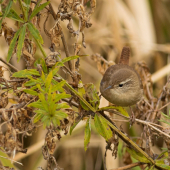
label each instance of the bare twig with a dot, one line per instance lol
(129, 166)
(18, 106)
(150, 124)
(66, 50)
(9, 65)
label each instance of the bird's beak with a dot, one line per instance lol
(109, 87)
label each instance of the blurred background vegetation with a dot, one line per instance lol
(141, 24)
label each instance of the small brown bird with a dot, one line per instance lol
(121, 84)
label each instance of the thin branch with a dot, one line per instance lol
(66, 50)
(9, 65)
(129, 166)
(11, 160)
(148, 124)
(18, 106)
(163, 106)
(72, 102)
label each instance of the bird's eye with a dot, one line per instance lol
(120, 85)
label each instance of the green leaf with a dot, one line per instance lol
(35, 33)
(32, 92)
(61, 96)
(26, 73)
(55, 70)
(38, 9)
(78, 95)
(52, 103)
(43, 64)
(21, 41)
(166, 116)
(12, 45)
(71, 58)
(168, 123)
(62, 106)
(87, 133)
(27, 7)
(75, 124)
(58, 86)
(13, 15)
(40, 88)
(23, 9)
(118, 108)
(44, 103)
(60, 115)
(30, 83)
(82, 92)
(41, 48)
(102, 127)
(138, 156)
(4, 159)
(163, 166)
(7, 9)
(48, 80)
(46, 120)
(37, 105)
(92, 95)
(56, 122)
(38, 116)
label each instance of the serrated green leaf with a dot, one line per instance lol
(59, 64)
(62, 106)
(27, 7)
(21, 41)
(43, 77)
(40, 88)
(61, 96)
(118, 108)
(4, 159)
(23, 9)
(38, 117)
(38, 9)
(55, 70)
(138, 156)
(32, 92)
(82, 92)
(71, 58)
(13, 15)
(35, 33)
(78, 95)
(75, 124)
(92, 95)
(164, 122)
(87, 133)
(60, 115)
(30, 83)
(37, 105)
(52, 103)
(12, 45)
(163, 166)
(37, 80)
(48, 80)
(102, 127)
(43, 64)
(46, 120)
(56, 122)
(25, 73)
(58, 86)
(44, 103)
(7, 9)
(165, 115)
